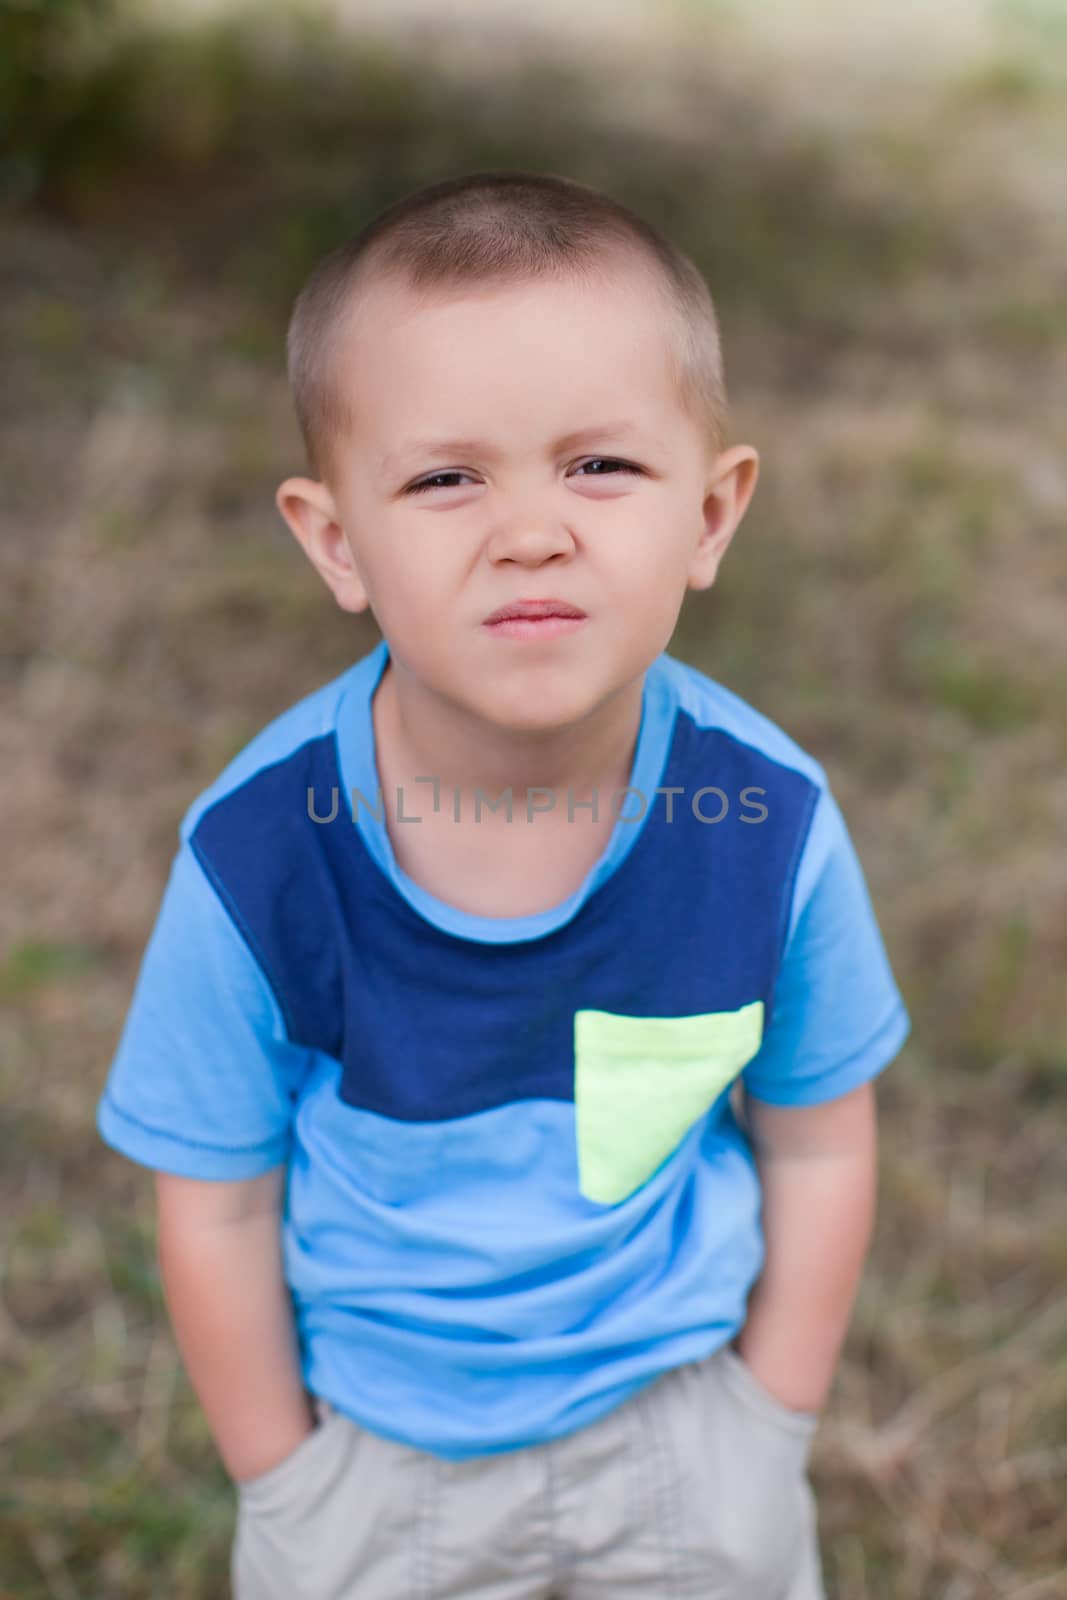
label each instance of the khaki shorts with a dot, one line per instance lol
(696, 1485)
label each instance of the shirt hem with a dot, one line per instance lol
(166, 1153)
(859, 1068)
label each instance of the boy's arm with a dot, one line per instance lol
(219, 1251)
(818, 1171)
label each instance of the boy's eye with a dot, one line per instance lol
(609, 461)
(433, 482)
(436, 479)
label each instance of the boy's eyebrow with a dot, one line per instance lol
(424, 448)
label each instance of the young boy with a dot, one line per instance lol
(490, 1280)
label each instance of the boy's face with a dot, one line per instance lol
(480, 398)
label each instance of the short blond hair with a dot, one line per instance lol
(495, 227)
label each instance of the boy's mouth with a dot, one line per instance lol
(535, 609)
(534, 619)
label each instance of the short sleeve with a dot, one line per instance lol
(204, 1081)
(837, 1017)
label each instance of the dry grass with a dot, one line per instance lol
(889, 268)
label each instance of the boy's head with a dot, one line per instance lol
(510, 388)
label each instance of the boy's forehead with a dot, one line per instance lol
(396, 332)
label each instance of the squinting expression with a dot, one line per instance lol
(521, 444)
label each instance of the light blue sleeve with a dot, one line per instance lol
(204, 1081)
(837, 1017)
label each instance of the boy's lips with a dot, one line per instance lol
(534, 611)
(534, 627)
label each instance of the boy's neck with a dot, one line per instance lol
(427, 737)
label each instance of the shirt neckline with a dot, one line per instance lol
(358, 767)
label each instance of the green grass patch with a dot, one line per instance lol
(990, 701)
(36, 963)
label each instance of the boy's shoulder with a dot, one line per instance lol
(711, 705)
(309, 719)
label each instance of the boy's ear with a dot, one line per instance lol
(308, 507)
(729, 490)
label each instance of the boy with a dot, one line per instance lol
(483, 1285)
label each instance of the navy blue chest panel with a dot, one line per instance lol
(428, 1026)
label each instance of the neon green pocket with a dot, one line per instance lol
(641, 1082)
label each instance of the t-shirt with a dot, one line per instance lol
(517, 1191)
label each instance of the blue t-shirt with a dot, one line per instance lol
(517, 1190)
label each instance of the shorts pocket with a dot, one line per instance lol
(299, 1466)
(743, 1383)
(640, 1083)
(742, 1481)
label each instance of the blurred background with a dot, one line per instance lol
(878, 198)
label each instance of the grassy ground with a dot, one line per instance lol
(886, 250)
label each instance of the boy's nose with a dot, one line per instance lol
(530, 538)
